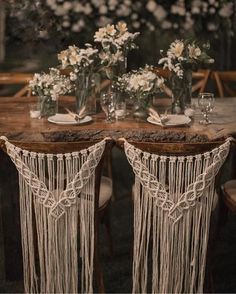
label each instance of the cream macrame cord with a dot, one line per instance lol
(173, 198)
(57, 194)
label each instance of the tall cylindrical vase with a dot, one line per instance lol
(87, 91)
(181, 91)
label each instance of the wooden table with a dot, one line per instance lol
(16, 124)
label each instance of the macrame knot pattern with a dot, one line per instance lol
(57, 203)
(157, 191)
(173, 197)
(39, 189)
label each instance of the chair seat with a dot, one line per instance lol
(105, 191)
(230, 193)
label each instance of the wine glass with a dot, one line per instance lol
(206, 104)
(108, 106)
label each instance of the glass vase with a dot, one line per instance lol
(181, 91)
(87, 91)
(140, 108)
(47, 105)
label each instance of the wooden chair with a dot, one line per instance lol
(173, 199)
(229, 194)
(200, 79)
(224, 82)
(55, 182)
(19, 79)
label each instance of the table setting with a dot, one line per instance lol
(84, 71)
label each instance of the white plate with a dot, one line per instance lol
(66, 119)
(173, 120)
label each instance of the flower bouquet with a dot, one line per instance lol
(115, 42)
(48, 87)
(84, 65)
(141, 85)
(181, 59)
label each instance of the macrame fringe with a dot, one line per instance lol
(57, 195)
(173, 199)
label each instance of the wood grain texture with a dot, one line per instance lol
(16, 124)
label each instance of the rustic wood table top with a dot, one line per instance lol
(16, 124)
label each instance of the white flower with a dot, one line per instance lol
(178, 9)
(196, 10)
(60, 11)
(121, 27)
(176, 48)
(51, 2)
(159, 13)
(194, 52)
(67, 5)
(166, 25)
(78, 7)
(103, 9)
(151, 6)
(212, 27)
(110, 30)
(211, 1)
(52, 84)
(136, 24)
(66, 24)
(180, 56)
(100, 35)
(212, 10)
(226, 10)
(141, 83)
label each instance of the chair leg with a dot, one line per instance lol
(97, 265)
(98, 273)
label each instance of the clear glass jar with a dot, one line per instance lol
(47, 105)
(181, 91)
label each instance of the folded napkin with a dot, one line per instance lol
(157, 117)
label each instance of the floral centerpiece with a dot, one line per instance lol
(181, 59)
(79, 60)
(48, 87)
(141, 85)
(115, 41)
(83, 64)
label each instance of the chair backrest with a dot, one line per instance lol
(173, 197)
(224, 82)
(57, 190)
(199, 80)
(22, 79)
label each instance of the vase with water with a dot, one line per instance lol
(87, 91)
(181, 91)
(47, 105)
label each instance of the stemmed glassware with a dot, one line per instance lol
(206, 103)
(107, 102)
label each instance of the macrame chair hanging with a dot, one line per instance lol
(173, 197)
(57, 194)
